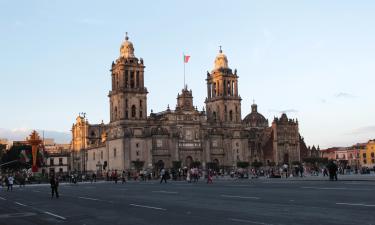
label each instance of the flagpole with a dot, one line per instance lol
(184, 68)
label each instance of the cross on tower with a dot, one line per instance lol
(126, 36)
(220, 49)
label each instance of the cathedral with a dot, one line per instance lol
(215, 137)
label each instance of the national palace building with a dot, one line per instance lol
(217, 135)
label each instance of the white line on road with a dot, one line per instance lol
(238, 185)
(57, 216)
(36, 191)
(20, 204)
(236, 196)
(92, 199)
(166, 192)
(248, 221)
(324, 188)
(3, 198)
(354, 204)
(338, 188)
(148, 207)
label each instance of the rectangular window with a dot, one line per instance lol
(93, 156)
(101, 154)
(364, 155)
(60, 161)
(51, 162)
(114, 152)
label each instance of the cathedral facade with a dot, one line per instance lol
(216, 136)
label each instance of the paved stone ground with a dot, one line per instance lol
(259, 202)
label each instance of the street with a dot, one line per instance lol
(271, 202)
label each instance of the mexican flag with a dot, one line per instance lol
(186, 58)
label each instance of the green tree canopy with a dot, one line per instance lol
(243, 164)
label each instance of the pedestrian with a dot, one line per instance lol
(10, 183)
(209, 177)
(123, 176)
(115, 176)
(188, 177)
(54, 181)
(332, 169)
(163, 176)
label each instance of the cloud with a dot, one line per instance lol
(344, 95)
(283, 111)
(363, 130)
(323, 100)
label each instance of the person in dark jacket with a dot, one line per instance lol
(54, 181)
(332, 169)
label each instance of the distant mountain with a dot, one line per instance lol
(21, 134)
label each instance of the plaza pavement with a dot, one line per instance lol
(226, 201)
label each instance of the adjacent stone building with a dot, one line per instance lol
(215, 135)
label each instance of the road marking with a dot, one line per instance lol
(36, 191)
(338, 188)
(3, 198)
(236, 196)
(240, 185)
(248, 221)
(354, 204)
(166, 192)
(20, 204)
(148, 207)
(324, 188)
(92, 199)
(16, 215)
(57, 216)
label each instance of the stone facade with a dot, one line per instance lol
(184, 134)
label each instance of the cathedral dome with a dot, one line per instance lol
(127, 49)
(255, 119)
(221, 60)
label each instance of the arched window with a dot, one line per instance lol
(133, 111)
(115, 112)
(230, 115)
(114, 152)
(214, 116)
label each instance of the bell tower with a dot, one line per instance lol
(223, 103)
(128, 95)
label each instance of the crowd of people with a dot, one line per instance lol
(331, 170)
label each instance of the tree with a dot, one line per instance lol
(138, 165)
(296, 163)
(2, 151)
(176, 164)
(256, 164)
(196, 164)
(243, 164)
(13, 155)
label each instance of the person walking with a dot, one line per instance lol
(209, 177)
(123, 176)
(54, 181)
(163, 176)
(10, 183)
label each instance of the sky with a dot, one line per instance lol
(313, 60)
